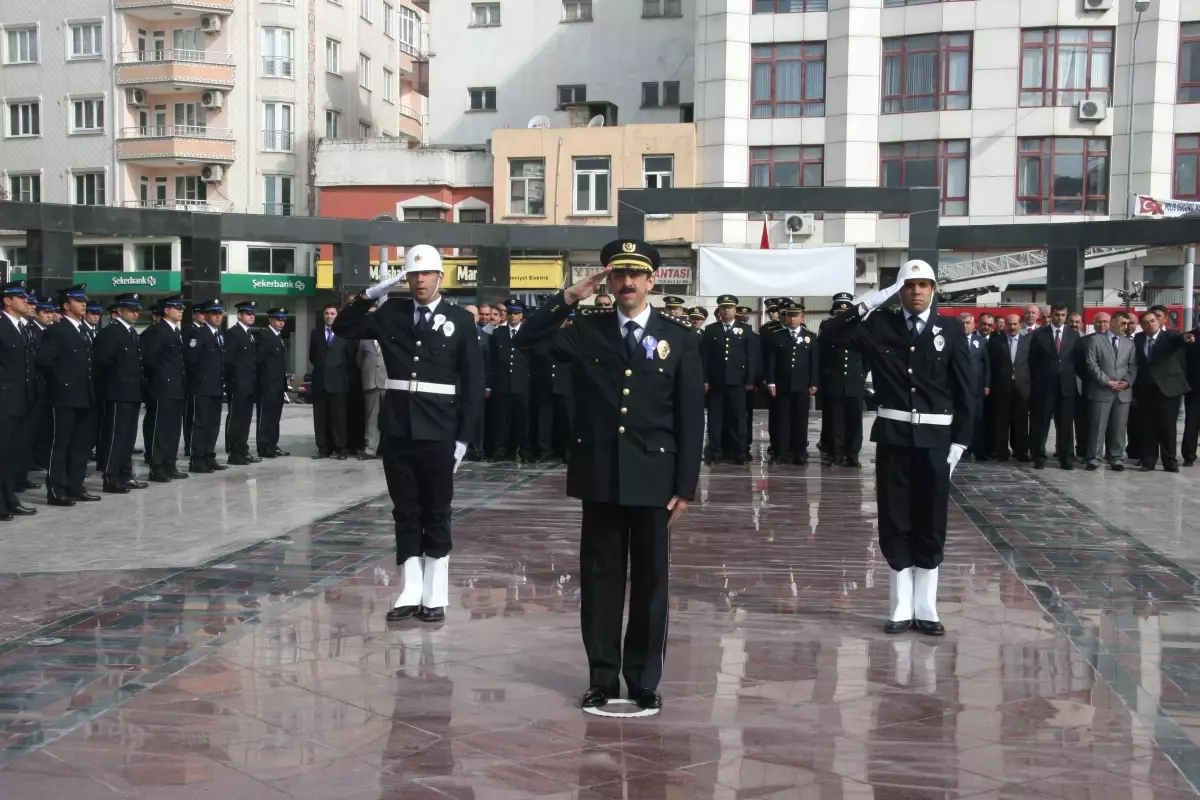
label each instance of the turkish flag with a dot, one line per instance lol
(765, 242)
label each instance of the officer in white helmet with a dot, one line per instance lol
(431, 405)
(921, 372)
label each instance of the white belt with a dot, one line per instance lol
(421, 386)
(915, 418)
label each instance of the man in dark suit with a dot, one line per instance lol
(508, 387)
(1191, 425)
(18, 392)
(241, 384)
(635, 461)
(732, 360)
(270, 353)
(1161, 382)
(118, 359)
(792, 376)
(1008, 358)
(204, 357)
(333, 359)
(164, 382)
(981, 381)
(1052, 375)
(65, 359)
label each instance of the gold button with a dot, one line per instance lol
(624, 410)
(621, 429)
(628, 372)
(624, 391)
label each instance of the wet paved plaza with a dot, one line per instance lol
(224, 637)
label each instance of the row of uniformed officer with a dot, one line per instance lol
(204, 359)
(18, 395)
(118, 361)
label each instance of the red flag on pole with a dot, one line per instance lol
(765, 242)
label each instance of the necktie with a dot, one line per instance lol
(83, 331)
(1149, 345)
(1012, 348)
(328, 335)
(1058, 340)
(631, 341)
(221, 339)
(423, 318)
(133, 334)
(1116, 344)
(913, 333)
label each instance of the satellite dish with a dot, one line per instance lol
(596, 121)
(540, 121)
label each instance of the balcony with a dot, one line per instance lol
(173, 9)
(410, 122)
(166, 145)
(208, 206)
(277, 141)
(175, 70)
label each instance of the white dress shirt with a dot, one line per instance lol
(15, 321)
(432, 310)
(922, 319)
(641, 319)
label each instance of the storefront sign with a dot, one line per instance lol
(158, 282)
(262, 283)
(666, 274)
(462, 273)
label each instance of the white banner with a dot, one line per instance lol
(816, 271)
(1154, 207)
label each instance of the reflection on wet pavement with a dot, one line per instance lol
(1069, 669)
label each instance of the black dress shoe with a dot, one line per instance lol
(160, 477)
(137, 451)
(594, 697)
(176, 475)
(237, 461)
(431, 614)
(6, 517)
(265, 454)
(84, 496)
(133, 484)
(1118, 467)
(929, 628)
(1039, 465)
(22, 511)
(1146, 468)
(897, 627)
(64, 502)
(115, 488)
(276, 452)
(203, 469)
(1172, 468)
(252, 459)
(341, 456)
(320, 455)
(402, 613)
(1092, 467)
(852, 462)
(215, 467)
(1066, 464)
(1188, 462)
(648, 699)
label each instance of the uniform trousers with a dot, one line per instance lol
(118, 433)
(726, 420)
(189, 416)
(790, 414)
(206, 425)
(162, 443)
(269, 408)
(510, 420)
(1159, 427)
(42, 426)
(1191, 424)
(1010, 424)
(69, 447)
(237, 425)
(420, 481)
(12, 466)
(329, 421)
(749, 440)
(1108, 420)
(1059, 406)
(912, 491)
(613, 539)
(372, 400)
(552, 424)
(845, 426)
(148, 428)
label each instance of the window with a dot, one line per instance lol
(650, 95)
(787, 166)
(279, 260)
(277, 52)
(1062, 66)
(86, 40)
(22, 46)
(364, 130)
(591, 185)
(424, 215)
(571, 94)
(1186, 185)
(187, 44)
(89, 188)
(18, 257)
(24, 119)
(151, 257)
(25, 188)
(364, 71)
(389, 24)
(662, 8)
(670, 93)
(477, 216)
(788, 80)
(1189, 63)
(106, 257)
(333, 56)
(410, 27)
(389, 85)
(364, 9)
(1062, 176)
(898, 3)
(190, 119)
(927, 73)
(577, 10)
(87, 116)
(485, 15)
(657, 171)
(278, 127)
(483, 99)
(527, 187)
(190, 189)
(333, 124)
(277, 195)
(941, 164)
(789, 6)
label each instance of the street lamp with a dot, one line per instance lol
(1140, 7)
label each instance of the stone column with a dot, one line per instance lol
(51, 256)
(493, 273)
(1064, 277)
(200, 259)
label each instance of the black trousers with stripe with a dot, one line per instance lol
(70, 444)
(269, 408)
(912, 491)
(118, 432)
(162, 441)
(206, 426)
(237, 425)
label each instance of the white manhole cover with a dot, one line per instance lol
(147, 598)
(225, 566)
(46, 641)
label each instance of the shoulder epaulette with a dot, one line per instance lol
(593, 311)
(680, 322)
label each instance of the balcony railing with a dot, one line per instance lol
(211, 206)
(278, 141)
(279, 209)
(169, 131)
(409, 112)
(278, 66)
(184, 56)
(412, 50)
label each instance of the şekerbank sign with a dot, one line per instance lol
(265, 283)
(157, 282)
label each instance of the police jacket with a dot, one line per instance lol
(793, 364)
(240, 362)
(929, 376)
(203, 356)
(18, 376)
(843, 372)
(730, 358)
(64, 358)
(446, 357)
(550, 375)
(639, 422)
(162, 362)
(270, 363)
(508, 366)
(118, 356)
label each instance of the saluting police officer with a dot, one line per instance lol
(793, 375)
(922, 376)
(508, 389)
(240, 385)
(163, 371)
(118, 357)
(65, 359)
(843, 384)
(433, 398)
(732, 361)
(271, 355)
(635, 462)
(18, 392)
(204, 358)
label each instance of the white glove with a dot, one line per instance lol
(956, 452)
(381, 289)
(460, 450)
(385, 273)
(882, 296)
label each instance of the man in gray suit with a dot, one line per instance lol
(1111, 365)
(374, 382)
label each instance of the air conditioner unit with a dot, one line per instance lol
(212, 173)
(135, 97)
(1092, 110)
(212, 99)
(866, 267)
(210, 23)
(799, 224)
(1097, 5)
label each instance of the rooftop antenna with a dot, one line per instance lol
(596, 121)
(540, 121)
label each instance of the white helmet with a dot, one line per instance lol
(423, 258)
(916, 269)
